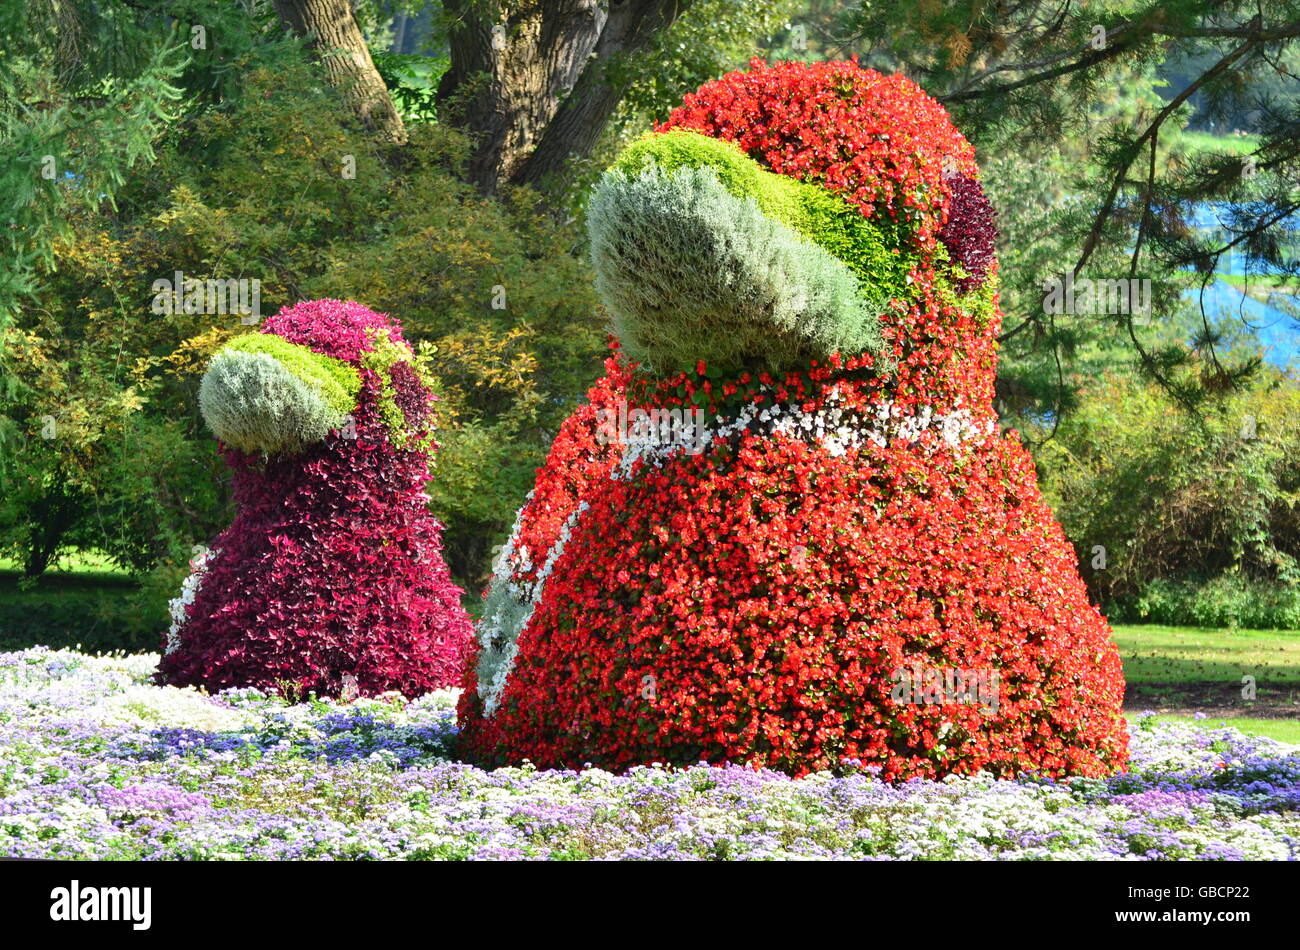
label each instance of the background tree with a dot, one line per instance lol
(343, 53)
(85, 92)
(84, 95)
(537, 82)
(1182, 518)
(1027, 78)
(532, 80)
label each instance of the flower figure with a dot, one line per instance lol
(331, 578)
(850, 561)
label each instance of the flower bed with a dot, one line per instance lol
(97, 763)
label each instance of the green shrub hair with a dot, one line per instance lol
(816, 213)
(338, 383)
(691, 271)
(978, 301)
(262, 393)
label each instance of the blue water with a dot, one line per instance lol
(1277, 331)
(1276, 325)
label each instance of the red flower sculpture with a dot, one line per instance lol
(852, 563)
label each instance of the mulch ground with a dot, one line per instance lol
(1216, 699)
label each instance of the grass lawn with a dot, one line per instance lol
(1268, 289)
(1261, 282)
(1179, 671)
(1158, 654)
(1220, 144)
(1283, 730)
(86, 565)
(84, 600)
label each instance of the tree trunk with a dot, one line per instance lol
(54, 514)
(532, 88)
(342, 51)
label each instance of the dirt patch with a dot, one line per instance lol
(1218, 700)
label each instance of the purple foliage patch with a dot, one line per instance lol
(971, 230)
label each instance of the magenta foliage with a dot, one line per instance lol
(970, 231)
(333, 566)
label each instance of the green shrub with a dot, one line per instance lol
(263, 393)
(338, 383)
(692, 272)
(1181, 515)
(252, 402)
(817, 214)
(1224, 601)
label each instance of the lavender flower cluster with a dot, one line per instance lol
(97, 763)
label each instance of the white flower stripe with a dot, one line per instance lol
(836, 429)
